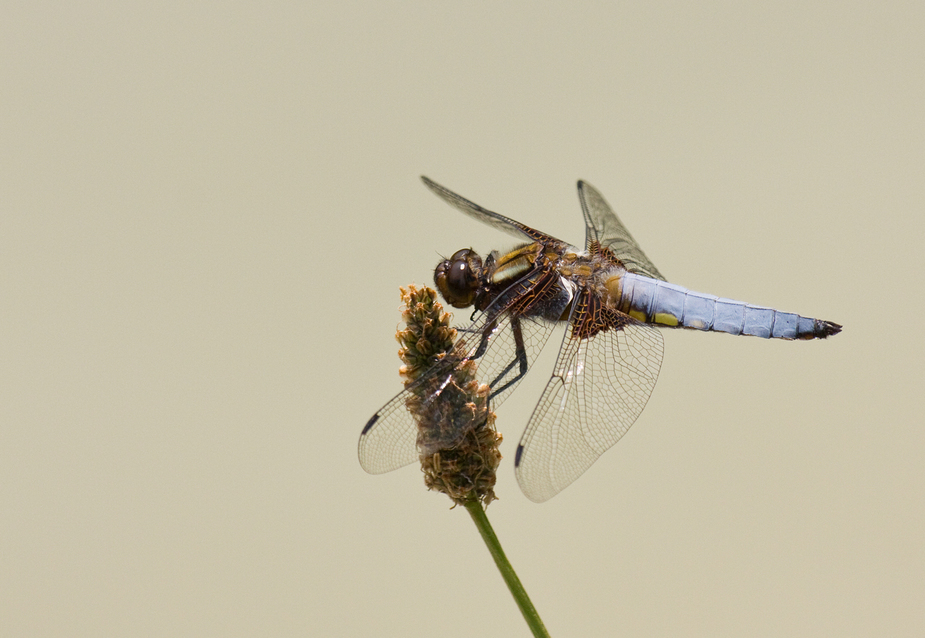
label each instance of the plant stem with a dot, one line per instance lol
(507, 572)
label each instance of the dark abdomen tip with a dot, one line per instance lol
(820, 330)
(827, 329)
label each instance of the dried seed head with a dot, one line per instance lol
(456, 435)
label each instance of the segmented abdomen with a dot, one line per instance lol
(665, 304)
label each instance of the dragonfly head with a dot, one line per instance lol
(459, 277)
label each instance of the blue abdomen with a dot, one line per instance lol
(665, 304)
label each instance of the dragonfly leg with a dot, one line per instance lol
(520, 358)
(485, 339)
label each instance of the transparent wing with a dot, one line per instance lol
(599, 387)
(603, 226)
(389, 440)
(502, 345)
(484, 215)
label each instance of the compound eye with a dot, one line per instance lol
(457, 278)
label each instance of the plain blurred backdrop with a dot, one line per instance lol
(206, 211)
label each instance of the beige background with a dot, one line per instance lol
(206, 215)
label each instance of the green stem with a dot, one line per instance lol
(507, 572)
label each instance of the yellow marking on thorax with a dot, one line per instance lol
(528, 250)
(514, 264)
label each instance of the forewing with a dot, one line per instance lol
(389, 440)
(603, 226)
(484, 215)
(599, 387)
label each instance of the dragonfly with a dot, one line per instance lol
(613, 301)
